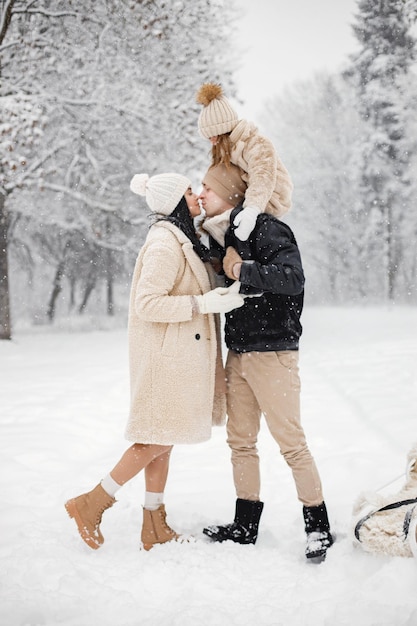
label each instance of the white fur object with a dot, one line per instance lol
(383, 531)
(412, 535)
(411, 461)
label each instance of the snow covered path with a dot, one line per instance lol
(63, 403)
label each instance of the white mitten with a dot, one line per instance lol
(220, 300)
(245, 222)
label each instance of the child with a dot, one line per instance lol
(269, 186)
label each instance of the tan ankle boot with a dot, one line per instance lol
(87, 510)
(155, 528)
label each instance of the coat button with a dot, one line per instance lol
(197, 336)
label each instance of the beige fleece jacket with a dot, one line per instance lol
(269, 184)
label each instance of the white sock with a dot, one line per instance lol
(110, 486)
(153, 500)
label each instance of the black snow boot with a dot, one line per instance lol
(244, 529)
(317, 527)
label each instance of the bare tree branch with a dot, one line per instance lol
(5, 18)
(94, 204)
(26, 11)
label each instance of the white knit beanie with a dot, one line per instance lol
(162, 191)
(218, 116)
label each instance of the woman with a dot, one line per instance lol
(177, 383)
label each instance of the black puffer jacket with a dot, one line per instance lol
(272, 266)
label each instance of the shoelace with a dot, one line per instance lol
(100, 514)
(163, 517)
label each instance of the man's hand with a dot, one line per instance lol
(216, 264)
(232, 263)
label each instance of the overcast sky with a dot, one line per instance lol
(289, 40)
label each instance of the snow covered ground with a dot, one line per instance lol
(63, 404)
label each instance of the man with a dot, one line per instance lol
(262, 362)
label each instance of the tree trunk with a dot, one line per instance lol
(57, 288)
(87, 293)
(109, 272)
(5, 323)
(110, 301)
(5, 19)
(72, 293)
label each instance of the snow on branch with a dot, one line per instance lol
(94, 103)
(410, 7)
(43, 12)
(94, 204)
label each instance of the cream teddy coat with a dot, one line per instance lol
(269, 184)
(174, 355)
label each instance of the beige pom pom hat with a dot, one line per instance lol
(162, 191)
(218, 116)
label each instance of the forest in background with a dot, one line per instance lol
(92, 93)
(349, 141)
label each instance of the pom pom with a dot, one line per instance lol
(138, 184)
(208, 92)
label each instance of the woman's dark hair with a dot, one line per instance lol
(181, 217)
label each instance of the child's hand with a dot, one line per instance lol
(245, 222)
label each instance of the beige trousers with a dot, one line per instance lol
(268, 383)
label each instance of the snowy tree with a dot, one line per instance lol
(314, 126)
(21, 120)
(378, 71)
(410, 9)
(116, 82)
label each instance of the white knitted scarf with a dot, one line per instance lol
(217, 226)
